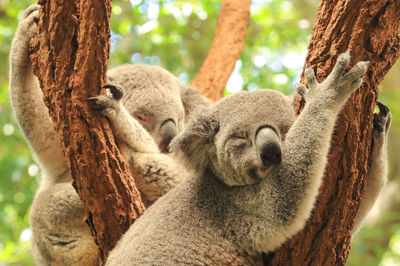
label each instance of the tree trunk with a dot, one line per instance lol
(233, 21)
(70, 58)
(370, 30)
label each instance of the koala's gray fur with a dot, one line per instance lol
(154, 96)
(239, 201)
(60, 235)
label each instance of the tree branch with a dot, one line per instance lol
(70, 58)
(233, 21)
(370, 30)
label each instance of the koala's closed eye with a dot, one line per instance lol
(239, 139)
(143, 119)
(240, 135)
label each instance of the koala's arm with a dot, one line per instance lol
(377, 170)
(27, 101)
(306, 146)
(155, 173)
(129, 131)
(126, 129)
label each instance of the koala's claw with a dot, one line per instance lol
(342, 63)
(383, 109)
(105, 104)
(382, 119)
(108, 104)
(116, 91)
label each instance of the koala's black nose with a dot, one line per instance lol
(268, 146)
(167, 132)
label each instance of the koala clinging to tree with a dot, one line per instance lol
(161, 104)
(256, 174)
(152, 95)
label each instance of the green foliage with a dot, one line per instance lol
(391, 97)
(275, 47)
(18, 171)
(378, 244)
(177, 35)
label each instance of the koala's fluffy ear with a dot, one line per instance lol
(192, 99)
(193, 144)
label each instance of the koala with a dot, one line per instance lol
(161, 104)
(255, 174)
(155, 173)
(157, 106)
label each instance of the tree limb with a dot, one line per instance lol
(233, 21)
(370, 30)
(70, 58)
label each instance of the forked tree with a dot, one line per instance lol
(70, 55)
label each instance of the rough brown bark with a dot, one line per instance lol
(233, 21)
(70, 57)
(371, 31)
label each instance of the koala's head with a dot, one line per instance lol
(156, 98)
(239, 138)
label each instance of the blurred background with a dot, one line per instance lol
(177, 36)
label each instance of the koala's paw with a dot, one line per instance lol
(344, 85)
(337, 87)
(381, 123)
(106, 105)
(27, 26)
(31, 9)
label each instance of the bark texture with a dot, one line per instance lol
(233, 21)
(371, 31)
(70, 57)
